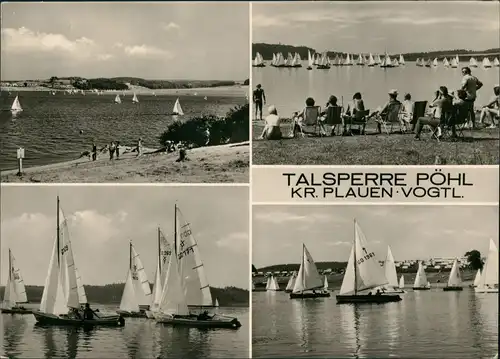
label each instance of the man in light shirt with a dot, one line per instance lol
(470, 84)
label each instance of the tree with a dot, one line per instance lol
(474, 260)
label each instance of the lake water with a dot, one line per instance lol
(288, 88)
(428, 324)
(49, 126)
(140, 338)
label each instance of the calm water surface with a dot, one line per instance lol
(140, 338)
(49, 126)
(287, 88)
(429, 324)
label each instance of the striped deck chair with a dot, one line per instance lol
(311, 118)
(392, 117)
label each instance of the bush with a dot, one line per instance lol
(234, 127)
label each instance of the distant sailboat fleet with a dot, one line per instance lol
(323, 61)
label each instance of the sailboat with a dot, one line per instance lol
(363, 275)
(371, 61)
(348, 61)
(135, 99)
(435, 62)
(378, 60)
(310, 61)
(164, 254)
(421, 282)
(401, 60)
(16, 106)
(118, 99)
(297, 61)
(136, 297)
(325, 284)
(360, 61)
(177, 108)
(472, 62)
(272, 284)
(291, 283)
(455, 62)
(324, 62)
(496, 63)
(489, 274)
(82, 296)
(387, 62)
(308, 283)
(402, 282)
(15, 291)
(60, 300)
(486, 63)
(258, 61)
(390, 274)
(477, 279)
(446, 62)
(455, 280)
(187, 285)
(428, 63)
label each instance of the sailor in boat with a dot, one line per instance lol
(88, 313)
(382, 113)
(492, 109)
(204, 316)
(259, 98)
(470, 84)
(443, 105)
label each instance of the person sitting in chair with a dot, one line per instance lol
(384, 111)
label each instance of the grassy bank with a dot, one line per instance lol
(112, 293)
(480, 147)
(228, 163)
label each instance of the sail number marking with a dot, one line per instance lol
(64, 249)
(366, 257)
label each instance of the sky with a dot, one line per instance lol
(395, 27)
(201, 41)
(412, 232)
(103, 219)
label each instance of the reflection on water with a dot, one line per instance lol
(140, 338)
(49, 126)
(287, 88)
(425, 324)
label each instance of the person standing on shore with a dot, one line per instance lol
(112, 148)
(117, 150)
(470, 84)
(259, 99)
(139, 147)
(94, 151)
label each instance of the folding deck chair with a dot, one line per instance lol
(392, 117)
(334, 118)
(311, 118)
(359, 119)
(459, 117)
(418, 111)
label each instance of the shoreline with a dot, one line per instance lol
(223, 163)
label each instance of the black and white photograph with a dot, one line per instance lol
(375, 83)
(124, 92)
(375, 281)
(125, 272)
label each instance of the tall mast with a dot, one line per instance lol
(10, 265)
(130, 255)
(175, 229)
(303, 279)
(355, 267)
(58, 234)
(159, 250)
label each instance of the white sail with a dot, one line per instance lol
(82, 296)
(177, 108)
(489, 274)
(477, 278)
(173, 300)
(325, 284)
(129, 301)
(272, 284)
(140, 279)
(310, 61)
(118, 99)
(347, 60)
(291, 282)
(135, 99)
(16, 105)
(496, 62)
(360, 60)
(191, 266)
(472, 62)
(395, 62)
(157, 289)
(445, 62)
(363, 271)
(486, 63)
(455, 279)
(308, 277)
(390, 269)
(378, 59)
(402, 282)
(164, 257)
(401, 60)
(435, 62)
(420, 278)
(371, 60)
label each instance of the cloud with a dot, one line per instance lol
(146, 51)
(24, 40)
(170, 26)
(104, 57)
(237, 241)
(267, 21)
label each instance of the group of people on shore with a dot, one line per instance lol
(442, 110)
(114, 149)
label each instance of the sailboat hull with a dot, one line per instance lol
(54, 320)
(421, 288)
(222, 322)
(260, 65)
(360, 299)
(449, 289)
(16, 310)
(126, 314)
(485, 290)
(309, 295)
(309, 68)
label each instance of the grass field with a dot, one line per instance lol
(479, 147)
